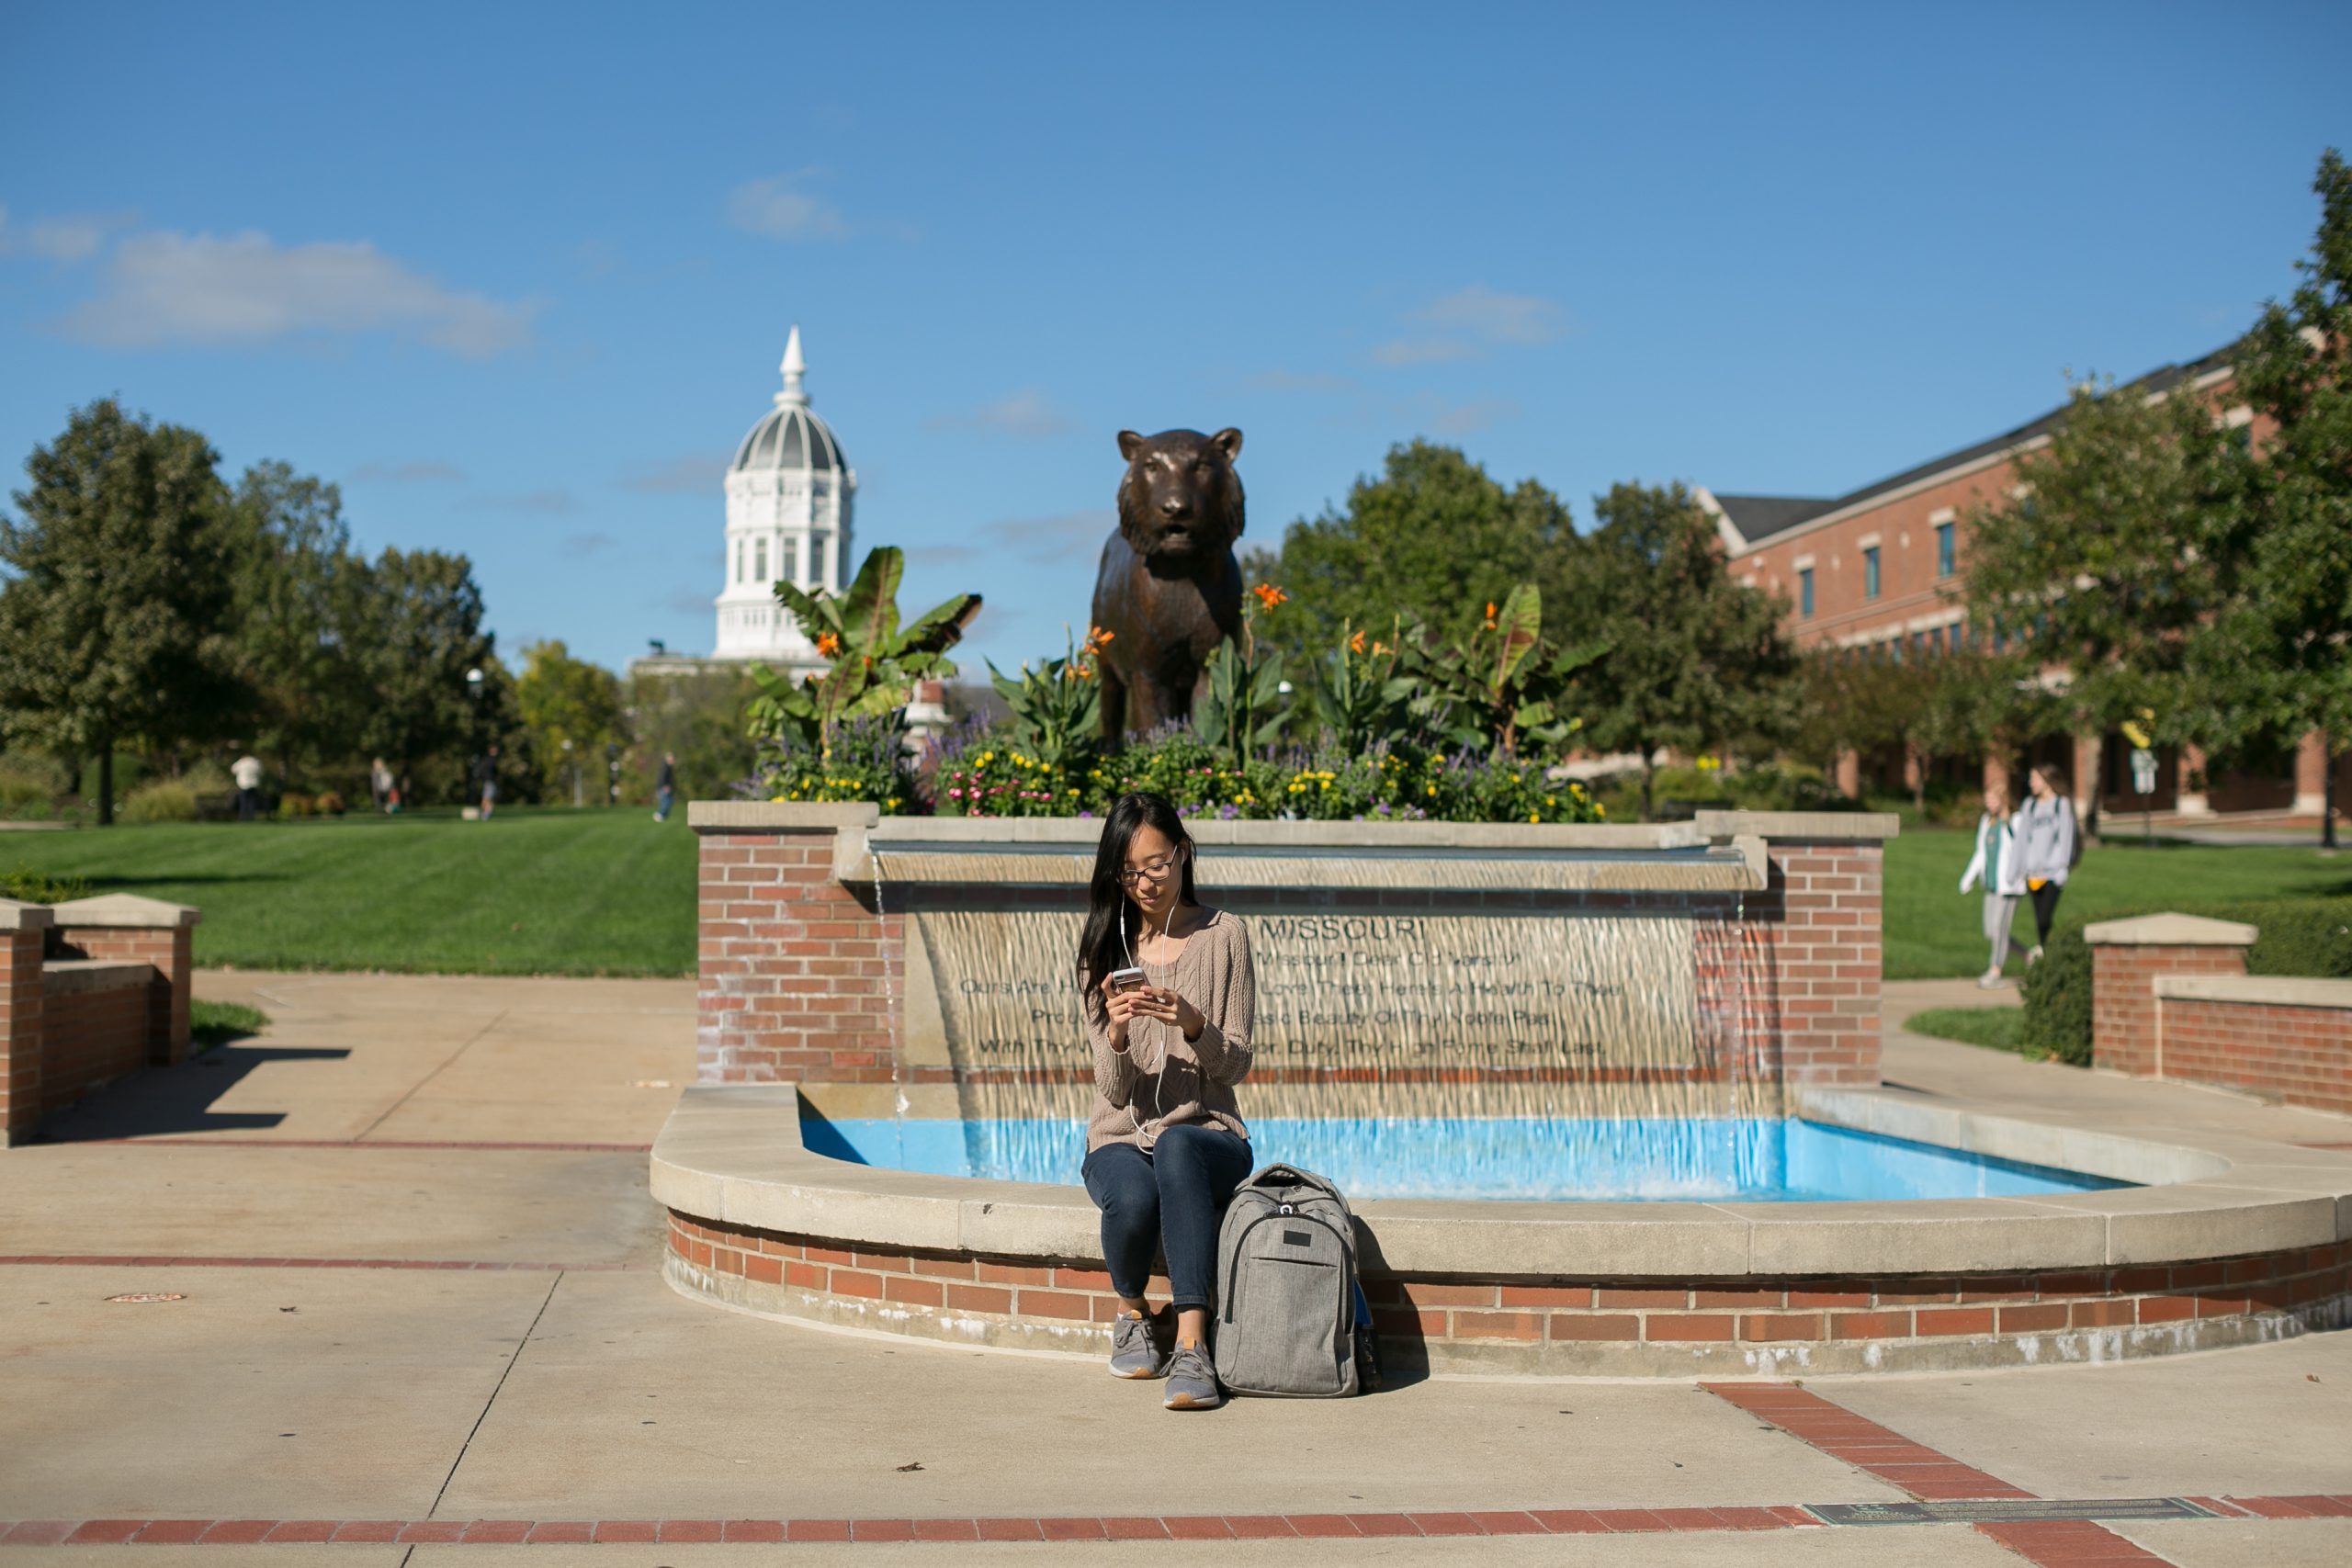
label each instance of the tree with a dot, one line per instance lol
(115, 614)
(1691, 658)
(421, 635)
(700, 718)
(2104, 561)
(570, 708)
(2276, 662)
(1432, 541)
(300, 598)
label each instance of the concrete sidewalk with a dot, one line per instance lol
(391, 1131)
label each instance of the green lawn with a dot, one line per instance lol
(543, 891)
(1933, 931)
(1996, 1028)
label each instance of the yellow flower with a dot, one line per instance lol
(1534, 816)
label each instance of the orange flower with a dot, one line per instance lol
(829, 645)
(1490, 614)
(1269, 595)
(1355, 643)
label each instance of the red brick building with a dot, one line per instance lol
(1879, 569)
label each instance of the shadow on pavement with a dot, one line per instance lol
(152, 1103)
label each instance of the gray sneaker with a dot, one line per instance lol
(1136, 1351)
(1192, 1382)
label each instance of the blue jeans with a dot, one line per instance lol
(1171, 1200)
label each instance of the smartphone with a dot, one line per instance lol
(1124, 979)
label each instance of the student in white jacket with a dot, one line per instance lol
(2001, 868)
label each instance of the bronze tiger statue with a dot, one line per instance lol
(1169, 590)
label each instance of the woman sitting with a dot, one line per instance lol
(1169, 1001)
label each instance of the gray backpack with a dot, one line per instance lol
(1286, 1289)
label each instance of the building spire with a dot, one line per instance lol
(794, 368)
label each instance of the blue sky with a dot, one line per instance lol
(518, 278)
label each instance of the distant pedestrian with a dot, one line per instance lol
(380, 784)
(665, 786)
(2047, 846)
(246, 771)
(486, 779)
(1996, 863)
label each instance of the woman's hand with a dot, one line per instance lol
(1161, 1003)
(1122, 1005)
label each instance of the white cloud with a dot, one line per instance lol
(1494, 316)
(69, 238)
(165, 287)
(553, 502)
(1469, 322)
(417, 473)
(1035, 541)
(1028, 413)
(1464, 418)
(694, 473)
(778, 207)
(1423, 350)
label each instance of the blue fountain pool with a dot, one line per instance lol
(1751, 1159)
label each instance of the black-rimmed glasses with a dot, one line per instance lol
(1150, 869)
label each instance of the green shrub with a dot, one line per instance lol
(2308, 937)
(33, 887)
(2058, 999)
(165, 800)
(290, 805)
(31, 786)
(329, 804)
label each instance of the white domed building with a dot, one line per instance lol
(790, 500)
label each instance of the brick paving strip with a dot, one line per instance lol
(154, 1260)
(1933, 1476)
(2059, 1543)
(363, 1144)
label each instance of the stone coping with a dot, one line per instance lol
(734, 1155)
(125, 911)
(69, 977)
(2261, 990)
(1710, 826)
(2170, 931)
(18, 915)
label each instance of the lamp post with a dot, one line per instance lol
(473, 693)
(612, 773)
(575, 768)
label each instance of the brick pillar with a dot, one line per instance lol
(794, 962)
(23, 928)
(2126, 959)
(2190, 791)
(2311, 775)
(1820, 922)
(125, 926)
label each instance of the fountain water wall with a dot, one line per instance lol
(925, 965)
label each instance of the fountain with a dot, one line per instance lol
(1691, 1010)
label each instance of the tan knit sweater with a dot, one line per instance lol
(1161, 1078)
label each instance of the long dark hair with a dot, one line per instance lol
(1100, 951)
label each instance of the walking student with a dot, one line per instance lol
(246, 771)
(665, 787)
(2047, 847)
(1996, 866)
(1169, 997)
(486, 778)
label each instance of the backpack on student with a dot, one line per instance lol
(1288, 1319)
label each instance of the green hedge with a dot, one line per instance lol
(2306, 938)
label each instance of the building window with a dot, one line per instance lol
(1944, 557)
(1870, 572)
(759, 560)
(1805, 592)
(738, 560)
(789, 548)
(820, 566)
